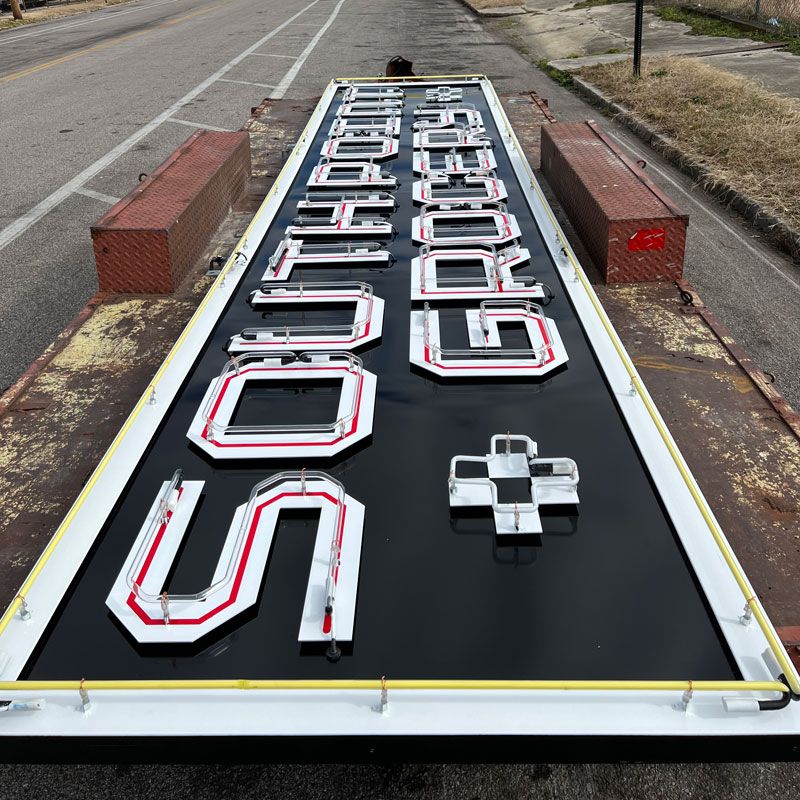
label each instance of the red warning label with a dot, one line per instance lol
(648, 239)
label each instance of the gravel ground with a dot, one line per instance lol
(406, 782)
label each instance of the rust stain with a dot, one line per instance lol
(741, 383)
(11, 396)
(743, 455)
(760, 379)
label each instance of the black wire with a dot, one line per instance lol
(686, 297)
(782, 701)
(547, 300)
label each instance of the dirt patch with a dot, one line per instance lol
(741, 134)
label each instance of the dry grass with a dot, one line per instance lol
(47, 13)
(6, 23)
(744, 135)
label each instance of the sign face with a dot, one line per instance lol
(648, 239)
(404, 441)
(153, 616)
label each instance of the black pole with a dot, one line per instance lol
(637, 38)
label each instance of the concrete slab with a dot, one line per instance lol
(786, 77)
(502, 11)
(537, 6)
(555, 31)
(575, 64)
(776, 70)
(492, 10)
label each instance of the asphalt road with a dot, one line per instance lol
(406, 782)
(89, 103)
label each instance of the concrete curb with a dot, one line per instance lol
(780, 233)
(496, 13)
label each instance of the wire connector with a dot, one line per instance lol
(747, 613)
(24, 611)
(687, 697)
(86, 704)
(383, 703)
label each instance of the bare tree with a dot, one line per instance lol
(15, 9)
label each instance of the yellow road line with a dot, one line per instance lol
(14, 76)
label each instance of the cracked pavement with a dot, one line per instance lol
(558, 31)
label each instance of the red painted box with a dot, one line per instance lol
(147, 242)
(630, 228)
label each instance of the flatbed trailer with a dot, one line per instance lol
(623, 615)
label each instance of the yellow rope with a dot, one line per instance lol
(411, 79)
(405, 685)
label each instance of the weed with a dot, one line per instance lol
(560, 77)
(701, 25)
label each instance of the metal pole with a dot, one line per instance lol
(637, 38)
